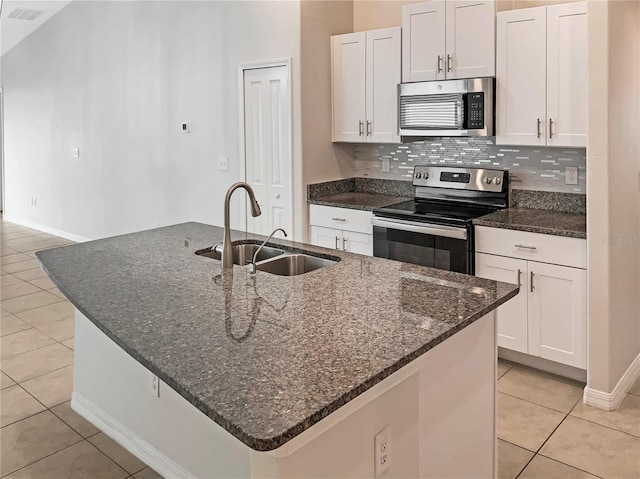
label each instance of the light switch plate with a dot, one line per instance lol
(571, 175)
(223, 163)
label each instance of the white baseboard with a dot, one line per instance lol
(46, 229)
(611, 401)
(144, 451)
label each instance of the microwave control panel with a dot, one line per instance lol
(474, 108)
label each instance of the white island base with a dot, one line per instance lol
(440, 409)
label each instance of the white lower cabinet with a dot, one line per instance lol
(548, 318)
(342, 229)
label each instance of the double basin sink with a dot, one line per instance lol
(270, 260)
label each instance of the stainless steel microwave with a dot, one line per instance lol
(447, 108)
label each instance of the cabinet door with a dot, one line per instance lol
(470, 40)
(567, 73)
(326, 237)
(423, 41)
(512, 315)
(357, 243)
(557, 313)
(382, 78)
(348, 86)
(521, 77)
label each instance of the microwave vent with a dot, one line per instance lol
(431, 111)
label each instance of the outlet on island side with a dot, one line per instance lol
(155, 385)
(382, 451)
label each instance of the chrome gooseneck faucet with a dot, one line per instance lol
(227, 250)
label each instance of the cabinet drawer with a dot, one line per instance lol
(532, 246)
(341, 218)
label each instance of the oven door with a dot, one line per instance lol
(437, 246)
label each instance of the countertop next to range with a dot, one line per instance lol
(558, 223)
(264, 356)
(359, 193)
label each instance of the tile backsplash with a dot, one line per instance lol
(530, 168)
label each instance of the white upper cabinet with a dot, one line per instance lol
(541, 76)
(365, 76)
(448, 39)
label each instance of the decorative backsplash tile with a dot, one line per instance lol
(531, 168)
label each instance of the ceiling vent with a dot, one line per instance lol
(24, 14)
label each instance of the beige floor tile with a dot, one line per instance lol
(44, 283)
(541, 388)
(635, 389)
(82, 460)
(9, 280)
(17, 404)
(48, 314)
(20, 289)
(31, 274)
(10, 324)
(70, 343)
(5, 381)
(525, 424)
(32, 439)
(4, 251)
(73, 419)
(52, 388)
(116, 452)
(544, 468)
(14, 258)
(511, 459)
(57, 292)
(597, 449)
(21, 266)
(60, 330)
(504, 366)
(29, 301)
(147, 473)
(18, 343)
(626, 418)
(36, 363)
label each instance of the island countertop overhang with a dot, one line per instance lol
(264, 356)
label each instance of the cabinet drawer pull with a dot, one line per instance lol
(539, 124)
(550, 128)
(339, 219)
(360, 128)
(532, 248)
(439, 63)
(368, 128)
(531, 282)
(449, 58)
(337, 239)
(344, 244)
(519, 276)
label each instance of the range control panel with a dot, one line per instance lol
(459, 178)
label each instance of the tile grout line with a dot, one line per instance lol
(536, 404)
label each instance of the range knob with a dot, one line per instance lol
(497, 180)
(425, 176)
(418, 175)
(488, 180)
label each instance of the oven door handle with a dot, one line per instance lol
(424, 228)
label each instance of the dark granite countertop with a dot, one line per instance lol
(266, 356)
(359, 193)
(557, 223)
(358, 201)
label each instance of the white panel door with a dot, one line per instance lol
(567, 73)
(357, 243)
(382, 77)
(557, 313)
(521, 77)
(471, 39)
(423, 41)
(267, 147)
(512, 315)
(348, 86)
(326, 237)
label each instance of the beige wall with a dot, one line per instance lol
(612, 191)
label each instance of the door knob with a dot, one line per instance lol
(277, 195)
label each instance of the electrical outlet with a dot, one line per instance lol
(223, 163)
(185, 127)
(383, 451)
(34, 201)
(76, 152)
(155, 386)
(385, 165)
(571, 175)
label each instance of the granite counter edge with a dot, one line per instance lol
(532, 229)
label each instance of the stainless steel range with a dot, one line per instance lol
(435, 229)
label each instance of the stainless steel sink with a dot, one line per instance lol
(293, 264)
(242, 253)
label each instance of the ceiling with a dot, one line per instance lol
(20, 18)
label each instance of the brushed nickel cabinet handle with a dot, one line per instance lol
(360, 128)
(550, 128)
(531, 282)
(344, 244)
(368, 128)
(539, 124)
(449, 58)
(439, 63)
(532, 248)
(519, 276)
(337, 239)
(339, 219)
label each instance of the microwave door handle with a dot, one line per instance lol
(423, 228)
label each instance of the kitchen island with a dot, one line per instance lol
(205, 373)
